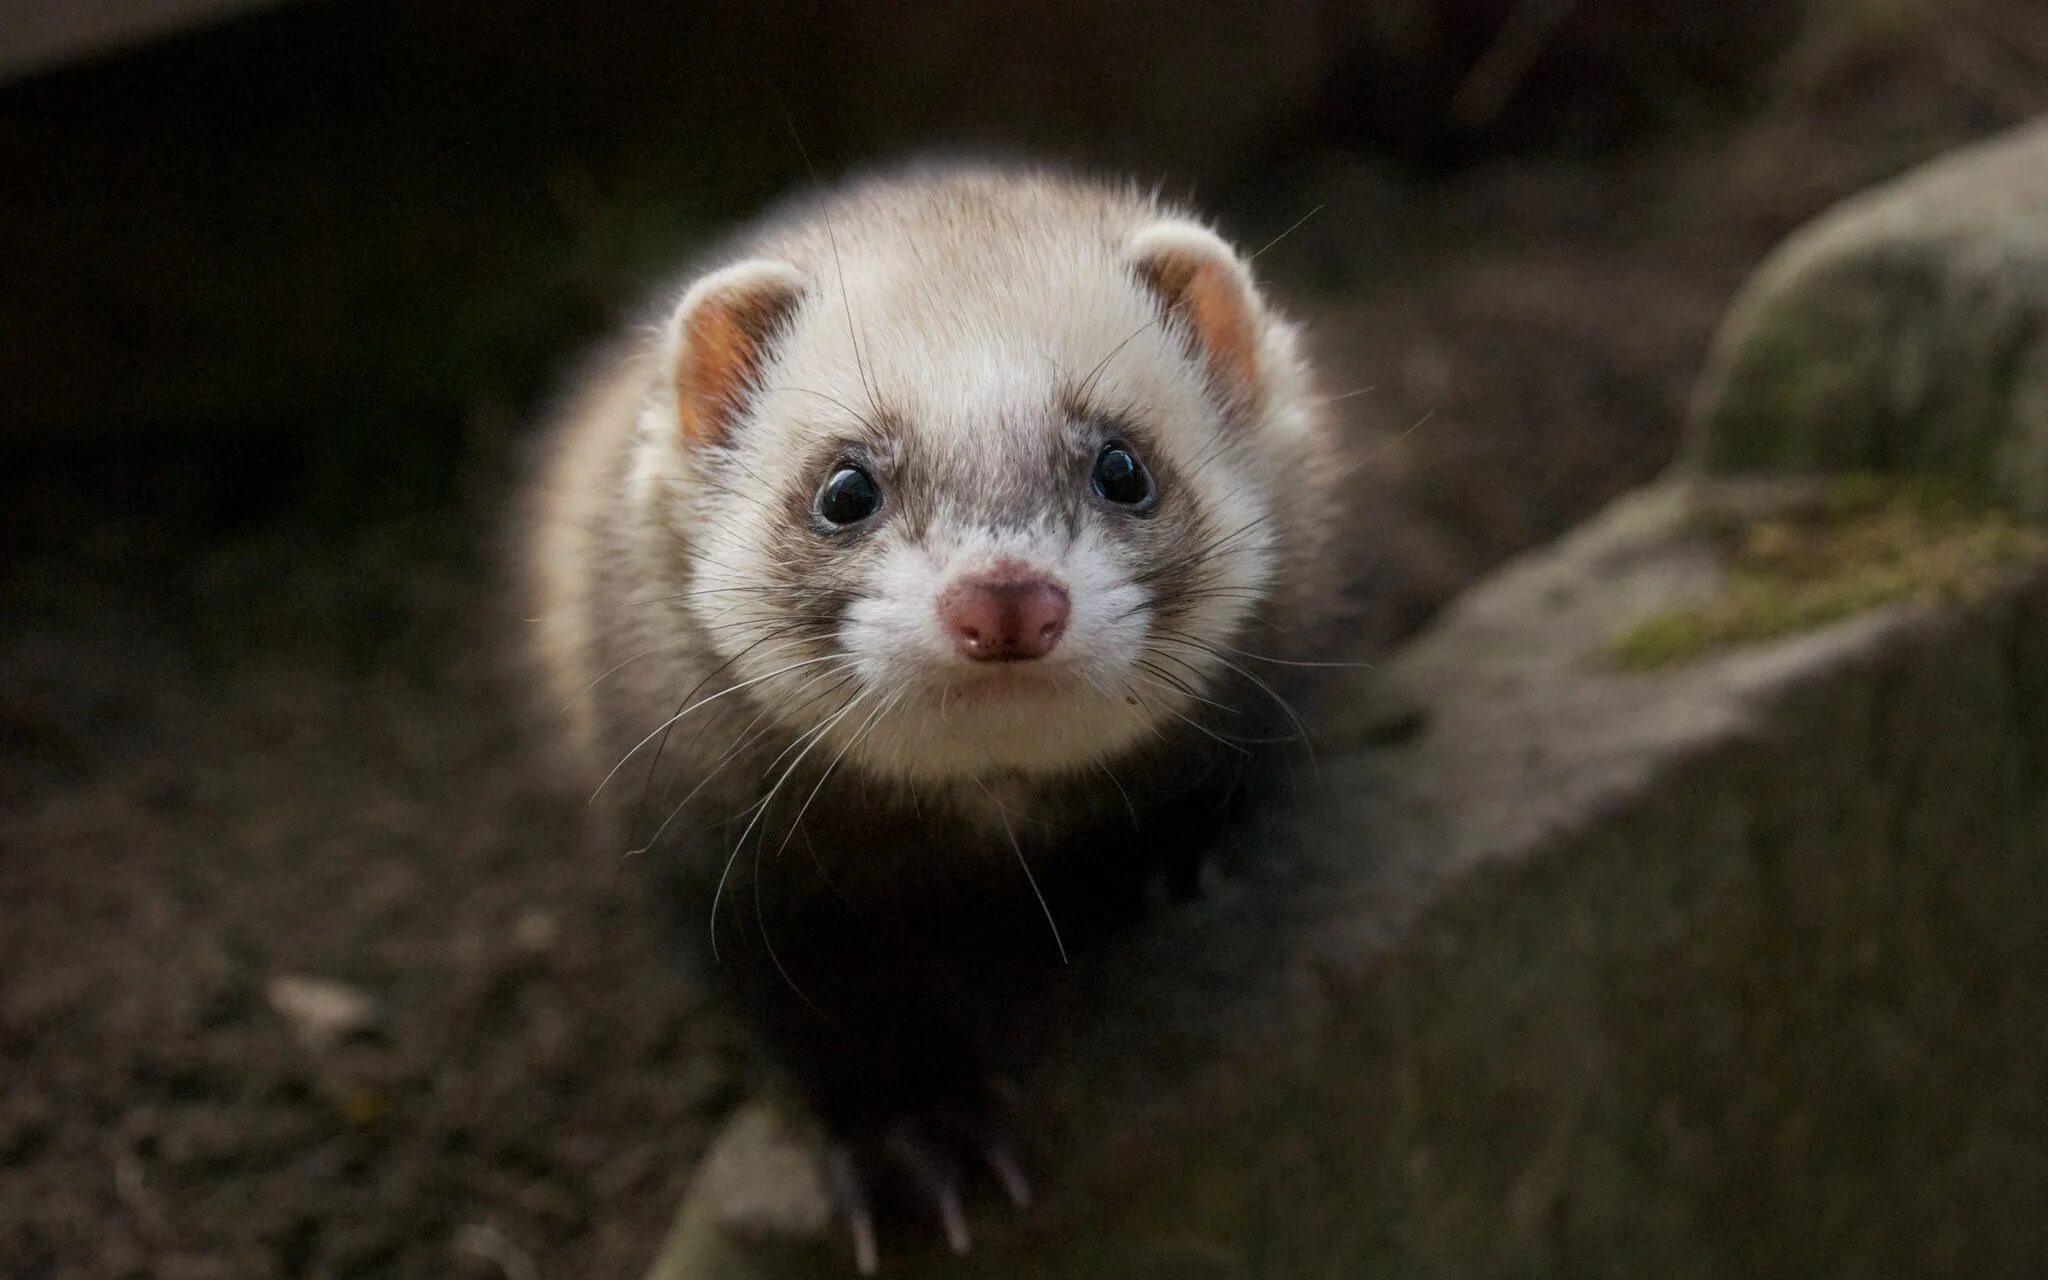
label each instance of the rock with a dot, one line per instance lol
(322, 1011)
(1907, 330)
(536, 931)
(488, 1253)
(1738, 965)
(27, 1122)
(758, 1199)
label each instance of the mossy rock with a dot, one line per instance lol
(1907, 331)
(1854, 545)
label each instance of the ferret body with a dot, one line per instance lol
(936, 571)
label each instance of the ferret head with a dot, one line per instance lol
(979, 475)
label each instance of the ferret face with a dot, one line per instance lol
(966, 498)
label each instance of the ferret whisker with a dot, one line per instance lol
(1253, 594)
(733, 688)
(1284, 234)
(684, 595)
(616, 667)
(813, 689)
(1300, 725)
(731, 458)
(661, 749)
(862, 418)
(826, 775)
(1087, 387)
(702, 727)
(1010, 833)
(1203, 729)
(839, 269)
(1116, 782)
(795, 746)
(718, 623)
(809, 739)
(1217, 653)
(1181, 599)
(1222, 442)
(1131, 692)
(1389, 445)
(880, 713)
(1167, 679)
(1170, 687)
(760, 895)
(1201, 553)
(716, 485)
(1290, 662)
(1195, 674)
(1177, 682)
(746, 737)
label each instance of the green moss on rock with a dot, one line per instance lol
(1865, 543)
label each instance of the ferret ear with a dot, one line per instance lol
(1201, 283)
(720, 338)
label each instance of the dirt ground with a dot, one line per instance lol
(236, 749)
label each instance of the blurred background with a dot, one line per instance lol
(302, 969)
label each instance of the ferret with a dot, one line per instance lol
(925, 585)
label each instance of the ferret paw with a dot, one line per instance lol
(923, 1167)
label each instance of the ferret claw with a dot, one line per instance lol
(937, 1181)
(922, 1165)
(851, 1193)
(1009, 1172)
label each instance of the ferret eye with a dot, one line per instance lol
(1120, 478)
(849, 497)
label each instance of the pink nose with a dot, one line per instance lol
(1007, 614)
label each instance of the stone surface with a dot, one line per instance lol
(1907, 330)
(1732, 968)
(321, 1010)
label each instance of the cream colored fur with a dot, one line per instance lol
(961, 306)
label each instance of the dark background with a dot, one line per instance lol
(279, 299)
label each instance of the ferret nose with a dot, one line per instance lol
(1008, 614)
